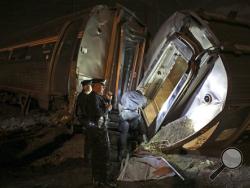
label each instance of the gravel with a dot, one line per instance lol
(171, 134)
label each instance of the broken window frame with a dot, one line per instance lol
(183, 49)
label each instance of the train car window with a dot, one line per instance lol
(40, 53)
(19, 54)
(35, 54)
(4, 56)
(130, 43)
(47, 51)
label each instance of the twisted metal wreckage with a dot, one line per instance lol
(198, 85)
(195, 74)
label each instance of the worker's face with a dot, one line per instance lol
(98, 88)
(87, 88)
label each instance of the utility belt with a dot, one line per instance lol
(100, 123)
(99, 127)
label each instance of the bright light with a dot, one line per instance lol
(200, 111)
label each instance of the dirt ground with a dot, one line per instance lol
(34, 153)
(62, 168)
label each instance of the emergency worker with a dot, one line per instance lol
(81, 113)
(97, 108)
(131, 120)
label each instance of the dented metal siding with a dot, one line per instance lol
(224, 76)
(235, 42)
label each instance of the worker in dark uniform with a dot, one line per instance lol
(97, 108)
(82, 115)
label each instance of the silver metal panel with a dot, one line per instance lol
(209, 99)
(94, 46)
(216, 97)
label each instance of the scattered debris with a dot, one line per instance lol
(142, 168)
(171, 134)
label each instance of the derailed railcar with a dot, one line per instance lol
(48, 62)
(28, 61)
(198, 82)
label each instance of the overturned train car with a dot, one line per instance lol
(48, 62)
(198, 82)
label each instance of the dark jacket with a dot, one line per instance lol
(96, 106)
(81, 105)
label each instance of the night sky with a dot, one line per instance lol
(20, 15)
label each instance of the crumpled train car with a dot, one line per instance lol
(48, 62)
(198, 82)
